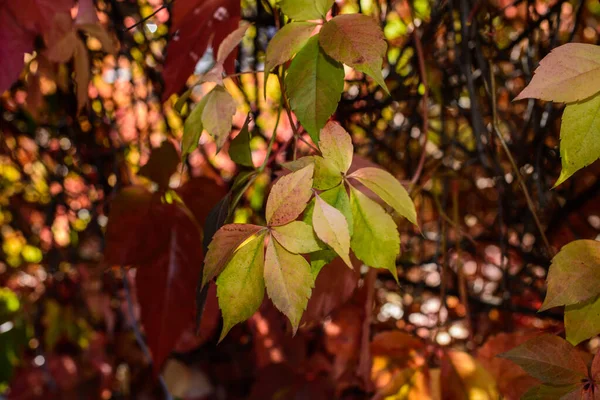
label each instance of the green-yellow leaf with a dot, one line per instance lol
(331, 227)
(217, 114)
(582, 321)
(570, 72)
(336, 146)
(305, 9)
(192, 128)
(241, 286)
(336, 197)
(375, 240)
(314, 85)
(579, 136)
(389, 189)
(297, 237)
(319, 259)
(239, 148)
(289, 196)
(288, 280)
(222, 246)
(287, 42)
(357, 41)
(574, 276)
(326, 173)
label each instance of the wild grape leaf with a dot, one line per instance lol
(231, 41)
(192, 128)
(289, 196)
(389, 189)
(579, 136)
(287, 42)
(297, 237)
(16, 41)
(582, 321)
(336, 146)
(217, 114)
(550, 392)
(195, 22)
(550, 359)
(326, 174)
(574, 274)
(357, 41)
(305, 9)
(161, 165)
(375, 240)
(224, 243)
(288, 281)
(331, 227)
(570, 73)
(241, 286)
(314, 85)
(462, 377)
(239, 148)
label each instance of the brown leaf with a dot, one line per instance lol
(161, 165)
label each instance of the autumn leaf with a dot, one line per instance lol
(336, 146)
(224, 243)
(231, 41)
(241, 286)
(570, 73)
(289, 196)
(389, 189)
(287, 42)
(288, 280)
(573, 276)
(314, 85)
(82, 73)
(217, 114)
(16, 41)
(579, 136)
(336, 197)
(161, 165)
(331, 227)
(375, 240)
(550, 359)
(305, 9)
(297, 237)
(193, 128)
(582, 321)
(239, 148)
(326, 174)
(550, 392)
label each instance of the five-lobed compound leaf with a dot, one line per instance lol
(375, 240)
(579, 136)
(582, 321)
(357, 41)
(192, 128)
(550, 359)
(331, 227)
(217, 114)
(570, 73)
(288, 280)
(574, 275)
(239, 148)
(289, 196)
(297, 237)
(241, 286)
(287, 42)
(389, 189)
(314, 85)
(305, 9)
(336, 146)
(326, 174)
(225, 242)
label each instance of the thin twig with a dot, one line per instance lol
(141, 21)
(425, 102)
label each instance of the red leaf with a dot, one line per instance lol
(194, 23)
(14, 43)
(36, 16)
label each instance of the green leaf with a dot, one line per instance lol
(224, 243)
(241, 286)
(217, 114)
(297, 237)
(550, 392)
(326, 173)
(161, 165)
(287, 42)
(192, 128)
(550, 359)
(582, 321)
(314, 85)
(336, 197)
(289, 196)
(288, 280)
(579, 136)
(574, 275)
(389, 189)
(357, 41)
(319, 259)
(375, 240)
(336, 146)
(239, 148)
(305, 9)
(570, 72)
(331, 227)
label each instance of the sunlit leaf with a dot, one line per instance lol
(192, 128)
(217, 113)
(287, 42)
(326, 174)
(289, 196)
(297, 237)
(305, 9)
(332, 228)
(241, 286)
(231, 41)
(582, 321)
(336, 146)
(288, 280)
(239, 148)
